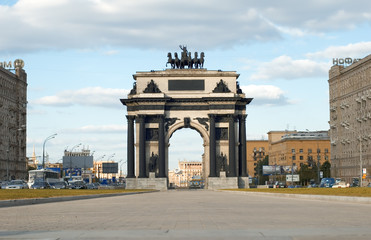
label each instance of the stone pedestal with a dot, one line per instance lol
(243, 182)
(222, 182)
(147, 183)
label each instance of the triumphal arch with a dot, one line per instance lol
(186, 95)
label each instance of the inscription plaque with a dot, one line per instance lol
(186, 85)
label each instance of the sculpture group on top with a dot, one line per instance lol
(186, 59)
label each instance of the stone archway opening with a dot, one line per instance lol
(185, 159)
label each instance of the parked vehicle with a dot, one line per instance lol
(58, 185)
(77, 185)
(41, 175)
(40, 185)
(91, 186)
(16, 184)
(341, 184)
(280, 185)
(355, 182)
(327, 182)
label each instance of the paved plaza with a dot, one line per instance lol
(191, 214)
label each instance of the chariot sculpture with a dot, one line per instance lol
(186, 59)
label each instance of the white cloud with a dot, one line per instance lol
(352, 50)
(90, 96)
(267, 95)
(77, 24)
(284, 67)
(98, 129)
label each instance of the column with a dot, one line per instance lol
(142, 146)
(212, 146)
(130, 147)
(232, 147)
(242, 147)
(161, 147)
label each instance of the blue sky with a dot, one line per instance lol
(80, 56)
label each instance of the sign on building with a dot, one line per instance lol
(110, 167)
(77, 161)
(295, 177)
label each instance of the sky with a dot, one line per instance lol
(80, 56)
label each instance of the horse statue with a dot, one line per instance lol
(170, 61)
(201, 60)
(195, 60)
(190, 62)
(176, 60)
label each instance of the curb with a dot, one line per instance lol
(366, 200)
(22, 202)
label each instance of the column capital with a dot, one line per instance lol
(141, 118)
(212, 116)
(130, 117)
(243, 117)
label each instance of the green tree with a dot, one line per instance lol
(325, 168)
(259, 169)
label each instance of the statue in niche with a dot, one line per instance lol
(152, 88)
(221, 87)
(222, 161)
(153, 163)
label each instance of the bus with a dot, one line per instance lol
(41, 175)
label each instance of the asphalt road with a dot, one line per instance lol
(193, 214)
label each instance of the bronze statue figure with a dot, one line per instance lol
(186, 59)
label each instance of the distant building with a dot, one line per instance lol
(286, 148)
(350, 119)
(256, 150)
(185, 172)
(13, 109)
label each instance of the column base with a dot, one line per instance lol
(243, 182)
(222, 182)
(147, 183)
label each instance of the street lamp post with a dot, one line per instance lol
(318, 158)
(292, 167)
(360, 160)
(48, 138)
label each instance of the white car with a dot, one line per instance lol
(16, 184)
(341, 184)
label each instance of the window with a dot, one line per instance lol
(301, 158)
(326, 150)
(293, 150)
(301, 150)
(309, 150)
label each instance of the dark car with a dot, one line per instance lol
(58, 185)
(40, 185)
(77, 185)
(280, 185)
(327, 182)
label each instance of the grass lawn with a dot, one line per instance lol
(10, 194)
(352, 192)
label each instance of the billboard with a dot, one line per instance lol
(78, 161)
(110, 167)
(277, 170)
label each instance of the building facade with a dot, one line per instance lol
(350, 119)
(256, 150)
(13, 109)
(185, 173)
(292, 148)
